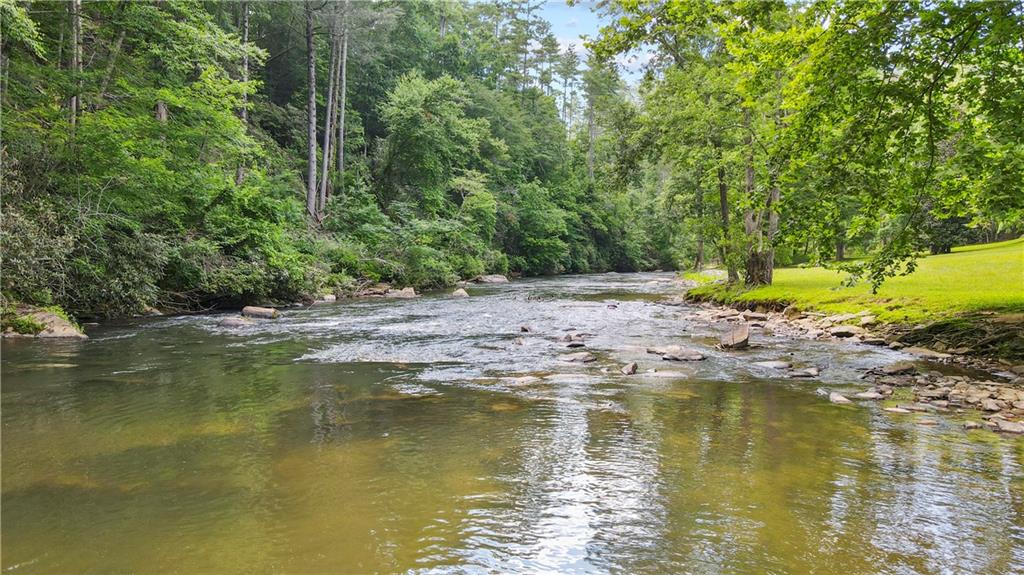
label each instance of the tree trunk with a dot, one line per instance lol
(161, 111)
(723, 205)
(311, 170)
(698, 260)
(840, 245)
(244, 112)
(590, 138)
(76, 60)
(328, 126)
(342, 96)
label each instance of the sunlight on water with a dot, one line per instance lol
(424, 436)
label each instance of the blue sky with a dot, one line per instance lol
(570, 23)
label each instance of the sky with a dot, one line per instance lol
(570, 23)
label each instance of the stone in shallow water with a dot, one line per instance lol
(835, 397)
(972, 425)
(900, 367)
(869, 395)
(736, 338)
(629, 369)
(234, 322)
(460, 293)
(896, 410)
(260, 312)
(581, 357)
(573, 344)
(1006, 426)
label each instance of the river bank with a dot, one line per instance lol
(985, 387)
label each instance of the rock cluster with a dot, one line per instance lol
(1001, 403)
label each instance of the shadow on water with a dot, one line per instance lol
(434, 435)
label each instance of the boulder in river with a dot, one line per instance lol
(492, 279)
(676, 353)
(836, 397)
(54, 326)
(234, 322)
(460, 293)
(629, 369)
(524, 329)
(869, 395)
(737, 338)
(405, 292)
(574, 344)
(580, 357)
(806, 372)
(902, 410)
(260, 312)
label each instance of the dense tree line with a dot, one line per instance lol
(794, 131)
(184, 154)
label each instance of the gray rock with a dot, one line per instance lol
(260, 312)
(754, 316)
(991, 405)
(55, 326)
(1006, 426)
(806, 372)
(406, 292)
(972, 425)
(629, 369)
(900, 367)
(896, 410)
(736, 338)
(677, 353)
(580, 357)
(574, 344)
(524, 328)
(868, 395)
(234, 322)
(868, 320)
(835, 397)
(460, 293)
(328, 297)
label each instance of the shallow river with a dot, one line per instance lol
(385, 436)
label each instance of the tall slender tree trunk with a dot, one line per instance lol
(723, 205)
(342, 93)
(590, 138)
(244, 112)
(698, 260)
(311, 170)
(76, 60)
(328, 126)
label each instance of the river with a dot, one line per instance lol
(420, 436)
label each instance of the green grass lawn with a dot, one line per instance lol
(987, 277)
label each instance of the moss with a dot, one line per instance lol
(21, 324)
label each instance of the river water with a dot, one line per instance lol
(419, 436)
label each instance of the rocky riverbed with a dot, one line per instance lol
(983, 387)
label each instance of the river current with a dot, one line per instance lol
(434, 435)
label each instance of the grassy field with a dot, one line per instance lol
(986, 277)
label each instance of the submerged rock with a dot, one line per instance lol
(628, 369)
(896, 410)
(581, 357)
(676, 353)
(806, 372)
(234, 322)
(573, 344)
(736, 338)
(260, 312)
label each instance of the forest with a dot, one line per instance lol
(188, 155)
